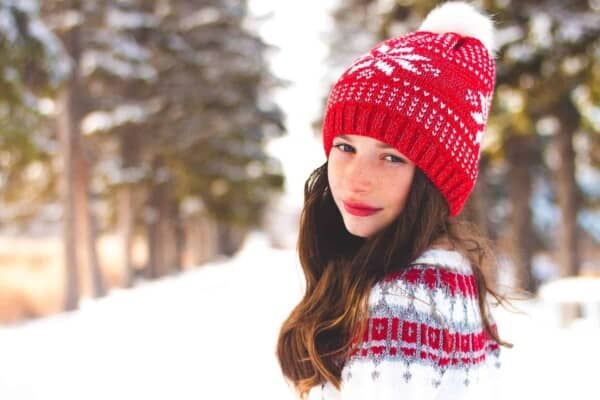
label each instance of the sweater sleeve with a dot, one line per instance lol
(425, 340)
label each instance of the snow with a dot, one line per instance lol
(571, 31)
(102, 121)
(588, 179)
(544, 268)
(127, 48)
(183, 337)
(582, 290)
(210, 333)
(57, 61)
(192, 205)
(93, 60)
(66, 20)
(26, 6)
(547, 126)
(572, 289)
(509, 34)
(583, 99)
(113, 173)
(202, 17)
(547, 215)
(521, 52)
(590, 221)
(11, 74)
(57, 64)
(119, 19)
(46, 106)
(541, 30)
(545, 212)
(8, 27)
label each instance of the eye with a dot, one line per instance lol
(346, 148)
(394, 159)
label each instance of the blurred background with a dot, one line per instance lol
(152, 162)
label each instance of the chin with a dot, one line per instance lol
(360, 231)
(358, 234)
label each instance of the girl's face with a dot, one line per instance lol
(369, 181)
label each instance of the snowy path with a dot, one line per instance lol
(210, 334)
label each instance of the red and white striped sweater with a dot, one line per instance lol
(425, 340)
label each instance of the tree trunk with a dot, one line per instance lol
(567, 201)
(70, 239)
(98, 282)
(160, 228)
(230, 238)
(167, 229)
(76, 167)
(567, 196)
(87, 227)
(200, 239)
(211, 238)
(126, 230)
(480, 199)
(68, 120)
(68, 131)
(180, 237)
(520, 152)
(126, 200)
(155, 256)
(193, 236)
(477, 209)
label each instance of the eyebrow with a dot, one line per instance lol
(380, 145)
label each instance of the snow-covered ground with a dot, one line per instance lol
(210, 333)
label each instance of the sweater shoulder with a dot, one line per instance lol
(426, 316)
(424, 336)
(431, 282)
(447, 259)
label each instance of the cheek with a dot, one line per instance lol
(402, 183)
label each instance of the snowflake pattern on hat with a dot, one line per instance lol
(481, 105)
(386, 58)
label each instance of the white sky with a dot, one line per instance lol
(296, 28)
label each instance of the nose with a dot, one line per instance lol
(359, 175)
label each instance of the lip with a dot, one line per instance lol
(359, 209)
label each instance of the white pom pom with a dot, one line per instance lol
(462, 18)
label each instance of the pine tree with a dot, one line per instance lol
(32, 67)
(181, 87)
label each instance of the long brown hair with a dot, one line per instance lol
(340, 269)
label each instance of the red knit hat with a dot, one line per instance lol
(426, 93)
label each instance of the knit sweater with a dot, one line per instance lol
(425, 339)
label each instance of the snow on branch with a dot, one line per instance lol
(119, 19)
(93, 60)
(103, 121)
(205, 16)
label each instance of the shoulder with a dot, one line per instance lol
(437, 276)
(424, 331)
(436, 295)
(444, 258)
(434, 300)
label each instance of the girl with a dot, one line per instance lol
(395, 304)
